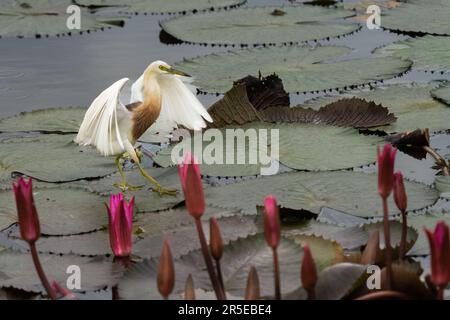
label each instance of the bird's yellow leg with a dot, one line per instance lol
(123, 185)
(158, 188)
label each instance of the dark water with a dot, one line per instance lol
(71, 71)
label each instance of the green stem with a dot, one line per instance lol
(40, 271)
(208, 261)
(387, 244)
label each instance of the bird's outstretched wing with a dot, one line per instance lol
(180, 106)
(106, 122)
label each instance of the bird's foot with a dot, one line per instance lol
(162, 191)
(124, 186)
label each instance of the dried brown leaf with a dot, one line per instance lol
(264, 99)
(412, 142)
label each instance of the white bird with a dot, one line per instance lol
(159, 98)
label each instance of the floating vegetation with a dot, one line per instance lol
(345, 191)
(302, 69)
(419, 17)
(51, 158)
(429, 53)
(261, 25)
(164, 6)
(44, 18)
(412, 104)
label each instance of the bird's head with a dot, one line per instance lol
(162, 68)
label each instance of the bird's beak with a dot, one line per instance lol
(177, 72)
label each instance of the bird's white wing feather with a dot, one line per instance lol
(180, 106)
(106, 122)
(136, 90)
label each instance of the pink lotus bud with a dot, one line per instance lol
(386, 161)
(120, 225)
(30, 229)
(308, 272)
(440, 254)
(191, 182)
(271, 221)
(166, 271)
(401, 200)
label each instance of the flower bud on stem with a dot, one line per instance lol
(208, 260)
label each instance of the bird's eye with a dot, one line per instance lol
(163, 68)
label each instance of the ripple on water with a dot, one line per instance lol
(10, 73)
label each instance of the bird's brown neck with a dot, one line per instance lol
(148, 111)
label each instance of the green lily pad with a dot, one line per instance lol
(419, 222)
(184, 239)
(442, 93)
(18, 271)
(302, 69)
(395, 228)
(88, 244)
(339, 280)
(419, 17)
(301, 146)
(443, 186)
(351, 192)
(258, 25)
(51, 158)
(240, 255)
(361, 5)
(412, 104)
(427, 53)
(247, 168)
(319, 147)
(63, 120)
(39, 18)
(334, 282)
(61, 211)
(7, 218)
(354, 237)
(162, 222)
(146, 199)
(164, 6)
(332, 216)
(140, 281)
(151, 229)
(314, 228)
(325, 252)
